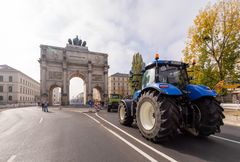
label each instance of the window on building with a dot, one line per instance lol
(20, 98)
(1, 78)
(10, 78)
(20, 89)
(20, 80)
(10, 98)
(10, 89)
(1, 98)
(1, 88)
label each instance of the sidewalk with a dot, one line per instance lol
(232, 117)
(82, 109)
(230, 106)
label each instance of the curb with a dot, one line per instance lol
(231, 123)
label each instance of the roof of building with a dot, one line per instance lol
(9, 68)
(119, 75)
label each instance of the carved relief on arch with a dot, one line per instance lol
(53, 85)
(77, 73)
(99, 87)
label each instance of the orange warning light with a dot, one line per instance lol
(193, 62)
(156, 56)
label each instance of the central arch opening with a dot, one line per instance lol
(77, 91)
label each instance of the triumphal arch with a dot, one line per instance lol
(59, 65)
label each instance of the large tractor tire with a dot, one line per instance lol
(211, 116)
(124, 116)
(157, 117)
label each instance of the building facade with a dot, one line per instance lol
(16, 87)
(78, 100)
(118, 84)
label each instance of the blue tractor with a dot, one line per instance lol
(168, 104)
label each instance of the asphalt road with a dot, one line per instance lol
(28, 134)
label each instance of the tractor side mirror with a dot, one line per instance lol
(193, 62)
(143, 68)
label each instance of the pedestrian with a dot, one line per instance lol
(42, 106)
(90, 103)
(46, 106)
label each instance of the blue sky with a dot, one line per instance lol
(117, 27)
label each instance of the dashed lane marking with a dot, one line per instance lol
(11, 158)
(146, 145)
(40, 121)
(226, 139)
(124, 140)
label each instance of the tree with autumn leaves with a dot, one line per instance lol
(214, 42)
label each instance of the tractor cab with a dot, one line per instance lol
(163, 71)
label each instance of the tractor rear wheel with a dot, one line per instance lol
(157, 117)
(124, 116)
(211, 116)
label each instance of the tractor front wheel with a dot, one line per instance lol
(157, 117)
(124, 116)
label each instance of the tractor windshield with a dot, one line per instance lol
(175, 75)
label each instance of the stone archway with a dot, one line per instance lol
(77, 74)
(98, 93)
(50, 93)
(58, 65)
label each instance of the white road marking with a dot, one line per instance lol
(12, 158)
(225, 139)
(92, 118)
(124, 140)
(146, 145)
(40, 121)
(131, 145)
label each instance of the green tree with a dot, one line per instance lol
(214, 42)
(136, 79)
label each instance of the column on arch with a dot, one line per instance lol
(65, 90)
(43, 79)
(89, 80)
(105, 85)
